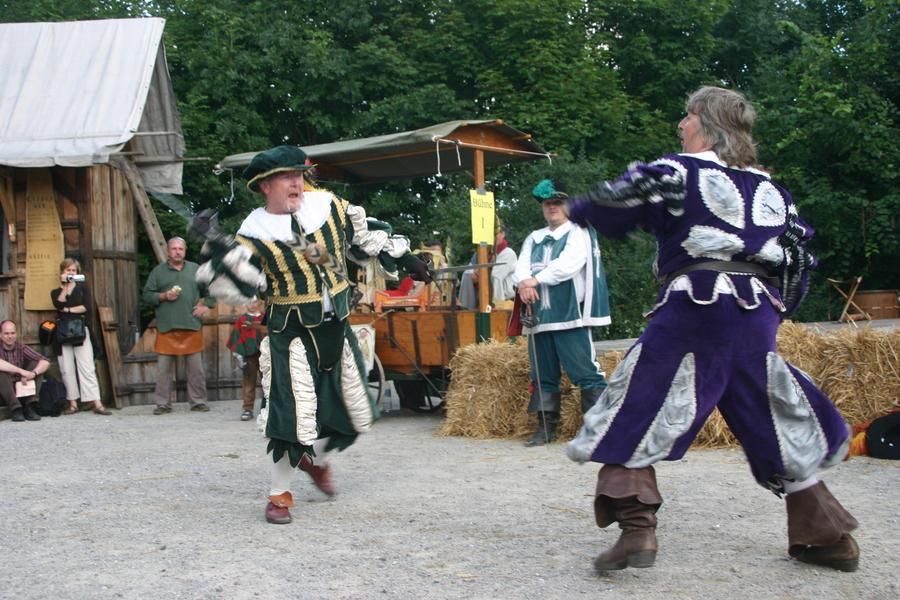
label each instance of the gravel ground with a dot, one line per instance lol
(140, 506)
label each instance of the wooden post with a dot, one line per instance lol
(483, 318)
(109, 330)
(142, 202)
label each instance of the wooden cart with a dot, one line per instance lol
(413, 348)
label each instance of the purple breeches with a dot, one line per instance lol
(693, 358)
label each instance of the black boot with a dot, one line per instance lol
(546, 431)
(30, 412)
(589, 398)
(819, 529)
(631, 498)
(16, 415)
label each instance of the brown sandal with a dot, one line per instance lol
(70, 411)
(102, 411)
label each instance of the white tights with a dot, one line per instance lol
(282, 471)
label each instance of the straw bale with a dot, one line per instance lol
(488, 395)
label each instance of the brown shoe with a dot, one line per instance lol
(102, 411)
(321, 475)
(200, 408)
(278, 515)
(162, 409)
(278, 509)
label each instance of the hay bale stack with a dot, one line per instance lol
(488, 396)
(859, 368)
(488, 393)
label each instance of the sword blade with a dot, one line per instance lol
(462, 268)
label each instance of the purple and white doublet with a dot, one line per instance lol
(731, 258)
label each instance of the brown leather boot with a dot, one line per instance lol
(631, 498)
(819, 529)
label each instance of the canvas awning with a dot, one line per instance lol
(434, 150)
(73, 93)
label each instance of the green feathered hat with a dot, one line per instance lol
(275, 160)
(549, 189)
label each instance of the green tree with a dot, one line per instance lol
(829, 129)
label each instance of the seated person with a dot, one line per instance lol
(18, 363)
(432, 252)
(503, 291)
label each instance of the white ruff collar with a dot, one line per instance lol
(312, 214)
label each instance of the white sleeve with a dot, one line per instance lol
(569, 262)
(523, 264)
(375, 241)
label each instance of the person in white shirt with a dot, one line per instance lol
(560, 279)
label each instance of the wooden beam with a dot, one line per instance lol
(109, 329)
(142, 202)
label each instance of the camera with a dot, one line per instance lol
(77, 278)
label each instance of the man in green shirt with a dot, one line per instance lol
(180, 305)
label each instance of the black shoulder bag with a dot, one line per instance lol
(70, 332)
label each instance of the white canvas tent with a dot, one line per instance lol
(75, 93)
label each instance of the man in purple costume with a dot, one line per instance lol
(731, 261)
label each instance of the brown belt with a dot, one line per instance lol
(725, 266)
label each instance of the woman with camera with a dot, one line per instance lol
(76, 363)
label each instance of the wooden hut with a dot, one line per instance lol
(88, 125)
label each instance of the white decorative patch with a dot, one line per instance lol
(771, 253)
(600, 417)
(769, 207)
(265, 369)
(675, 165)
(723, 285)
(721, 196)
(801, 439)
(711, 242)
(675, 417)
(303, 388)
(355, 391)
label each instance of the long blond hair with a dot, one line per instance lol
(726, 121)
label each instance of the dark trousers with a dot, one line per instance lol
(8, 393)
(248, 384)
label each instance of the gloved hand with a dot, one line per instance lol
(205, 224)
(417, 268)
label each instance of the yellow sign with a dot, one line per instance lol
(482, 217)
(43, 241)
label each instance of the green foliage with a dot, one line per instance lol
(598, 84)
(830, 130)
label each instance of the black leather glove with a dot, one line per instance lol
(205, 224)
(417, 268)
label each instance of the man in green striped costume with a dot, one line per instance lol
(294, 252)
